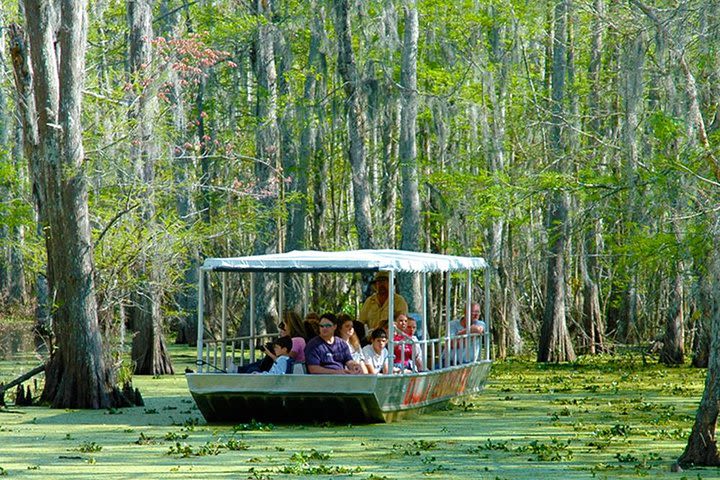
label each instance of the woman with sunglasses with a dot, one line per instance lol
(328, 354)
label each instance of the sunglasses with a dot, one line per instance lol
(325, 325)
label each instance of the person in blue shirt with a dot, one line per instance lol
(281, 352)
(327, 353)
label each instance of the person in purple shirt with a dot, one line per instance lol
(327, 353)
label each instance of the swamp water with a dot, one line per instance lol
(609, 418)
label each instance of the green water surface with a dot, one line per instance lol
(609, 418)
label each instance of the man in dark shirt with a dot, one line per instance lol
(328, 354)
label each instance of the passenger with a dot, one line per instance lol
(311, 325)
(458, 328)
(280, 356)
(346, 331)
(293, 327)
(375, 308)
(375, 354)
(403, 353)
(417, 355)
(361, 332)
(327, 353)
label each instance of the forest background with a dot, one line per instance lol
(572, 144)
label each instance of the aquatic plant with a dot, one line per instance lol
(89, 447)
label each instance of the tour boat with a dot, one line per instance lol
(224, 396)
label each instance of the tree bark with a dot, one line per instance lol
(701, 449)
(267, 140)
(673, 351)
(356, 130)
(149, 352)
(77, 375)
(555, 344)
(410, 230)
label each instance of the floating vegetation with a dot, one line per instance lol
(304, 457)
(145, 439)
(89, 447)
(490, 445)
(253, 425)
(531, 422)
(415, 447)
(555, 451)
(172, 436)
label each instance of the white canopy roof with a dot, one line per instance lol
(352, 260)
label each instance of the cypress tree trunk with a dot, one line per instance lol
(701, 449)
(267, 140)
(673, 351)
(149, 352)
(77, 374)
(555, 345)
(410, 230)
(356, 128)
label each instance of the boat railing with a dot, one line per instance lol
(233, 352)
(435, 353)
(438, 353)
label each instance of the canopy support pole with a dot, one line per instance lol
(306, 300)
(448, 352)
(252, 316)
(423, 312)
(468, 320)
(200, 319)
(487, 312)
(281, 296)
(223, 326)
(391, 320)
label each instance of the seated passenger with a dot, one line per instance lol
(458, 328)
(361, 332)
(346, 331)
(281, 357)
(311, 325)
(327, 353)
(403, 353)
(375, 354)
(293, 327)
(417, 354)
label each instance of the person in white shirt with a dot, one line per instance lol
(375, 354)
(459, 328)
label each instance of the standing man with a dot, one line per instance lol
(375, 308)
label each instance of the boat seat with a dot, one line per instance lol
(299, 368)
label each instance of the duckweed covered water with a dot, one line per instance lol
(606, 418)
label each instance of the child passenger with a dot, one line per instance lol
(281, 354)
(375, 354)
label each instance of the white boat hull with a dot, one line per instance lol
(226, 398)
